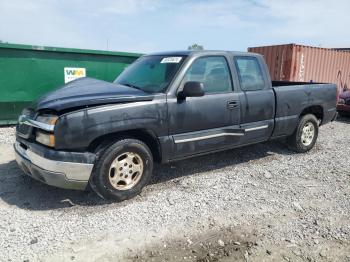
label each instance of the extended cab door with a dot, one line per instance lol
(257, 98)
(210, 122)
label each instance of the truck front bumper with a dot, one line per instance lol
(52, 167)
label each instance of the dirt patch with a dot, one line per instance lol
(221, 245)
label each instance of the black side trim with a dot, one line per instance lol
(214, 151)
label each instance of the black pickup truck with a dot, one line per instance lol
(164, 107)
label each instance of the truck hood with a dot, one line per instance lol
(87, 92)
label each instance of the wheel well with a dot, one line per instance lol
(315, 110)
(143, 135)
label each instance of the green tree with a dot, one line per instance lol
(195, 47)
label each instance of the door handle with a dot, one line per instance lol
(232, 104)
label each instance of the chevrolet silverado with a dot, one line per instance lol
(164, 107)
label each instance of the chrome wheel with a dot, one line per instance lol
(126, 171)
(307, 134)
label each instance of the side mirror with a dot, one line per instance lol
(192, 89)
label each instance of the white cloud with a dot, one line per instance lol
(39, 22)
(221, 13)
(74, 23)
(126, 7)
(322, 22)
(151, 25)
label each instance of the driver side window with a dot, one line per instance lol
(213, 72)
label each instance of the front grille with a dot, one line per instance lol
(23, 130)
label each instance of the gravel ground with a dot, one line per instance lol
(258, 203)
(7, 135)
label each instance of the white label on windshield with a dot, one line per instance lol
(173, 59)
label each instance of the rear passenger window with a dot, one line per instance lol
(213, 72)
(249, 73)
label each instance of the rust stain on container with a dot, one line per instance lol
(293, 62)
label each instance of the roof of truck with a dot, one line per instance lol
(194, 52)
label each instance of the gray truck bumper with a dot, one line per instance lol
(69, 175)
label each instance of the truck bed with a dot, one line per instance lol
(290, 83)
(293, 97)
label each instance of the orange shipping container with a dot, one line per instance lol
(300, 63)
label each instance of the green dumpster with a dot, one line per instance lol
(27, 72)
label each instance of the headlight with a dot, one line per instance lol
(45, 138)
(47, 119)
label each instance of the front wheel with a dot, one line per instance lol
(304, 137)
(122, 170)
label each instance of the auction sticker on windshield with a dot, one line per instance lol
(173, 59)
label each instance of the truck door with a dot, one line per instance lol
(257, 99)
(210, 122)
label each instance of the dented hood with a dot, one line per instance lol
(87, 92)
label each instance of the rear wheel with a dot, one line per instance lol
(122, 170)
(304, 137)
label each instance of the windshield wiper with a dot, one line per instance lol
(133, 86)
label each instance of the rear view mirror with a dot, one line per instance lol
(192, 89)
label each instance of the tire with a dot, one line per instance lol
(122, 170)
(300, 141)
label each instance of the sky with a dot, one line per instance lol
(145, 26)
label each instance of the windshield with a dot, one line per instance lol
(151, 74)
